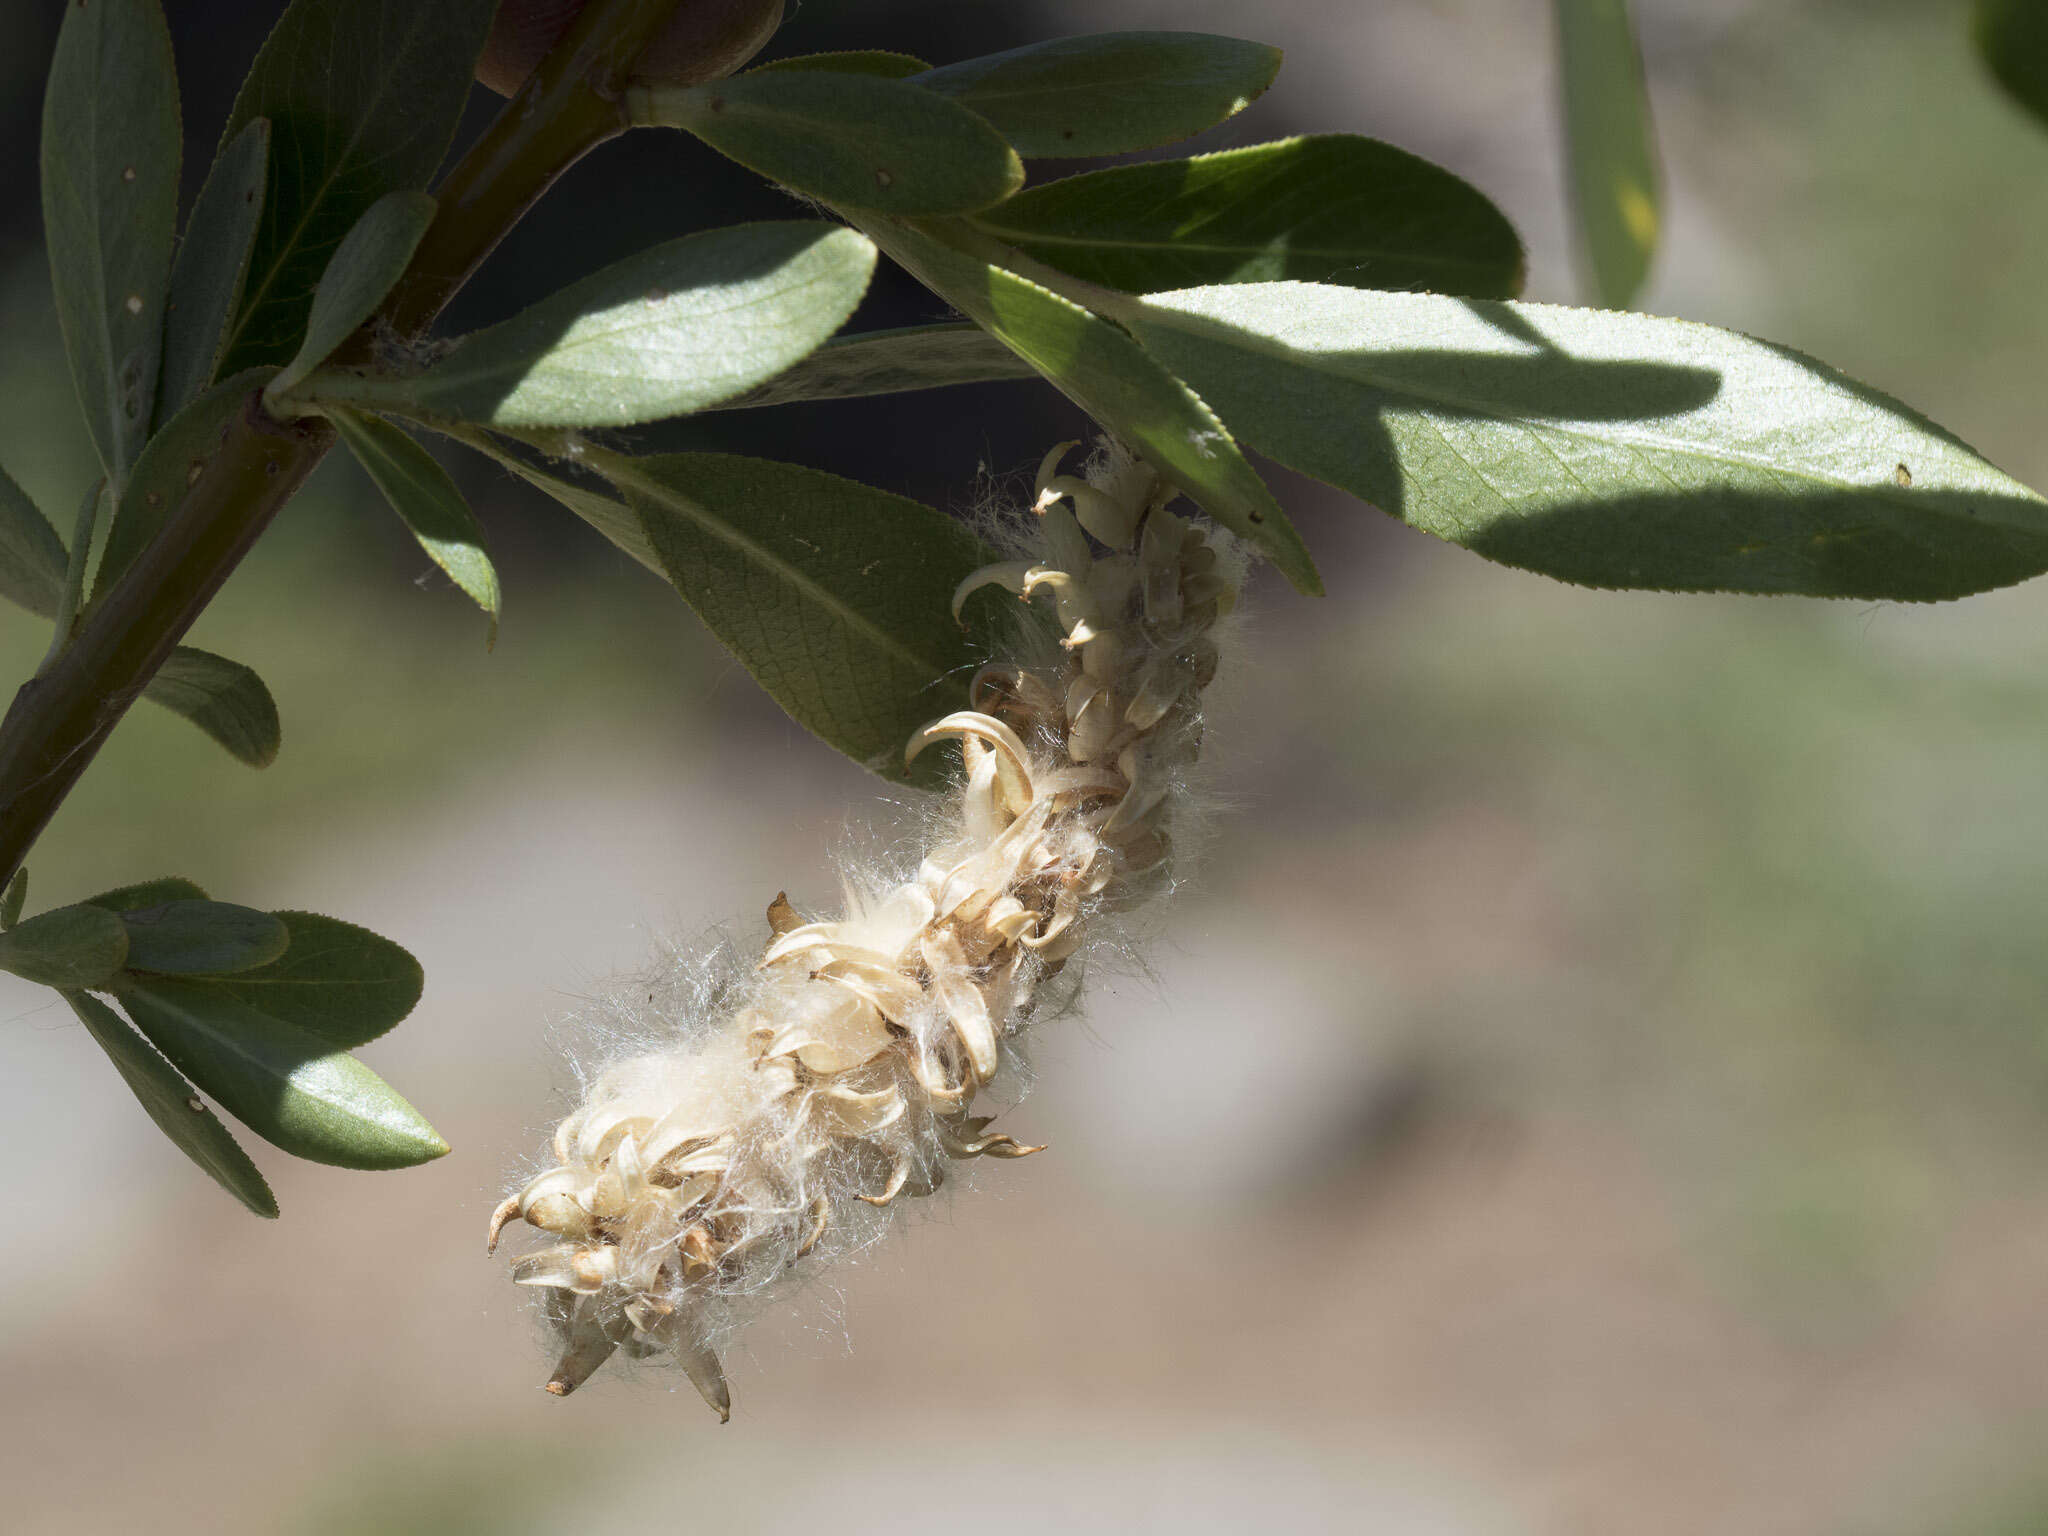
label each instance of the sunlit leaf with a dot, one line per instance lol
(886, 362)
(171, 1102)
(202, 938)
(1109, 376)
(836, 596)
(1611, 449)
(371, 257)
(678, 327)
(80, 946)
(1331, 207)
(1108, 92)
(32, 557)
(426, 498)
(1611, 147)
(285, 1083)
(855, 140)
(169, 467)
(213, 263)
(111, 141)
(363, 97)
(223, 698)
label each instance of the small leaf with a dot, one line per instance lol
(1109, 92)
(202, 938)
(363, 97)
(855, 140)
(425, 497)
(679, 327)
(286, 1084)
(1110, 377)
(607, 514)
(110, 211)
(169, 467)
(851, 61)
(371, 257)
(213, 263)
(32, 559)
(886, 362)
(81, 946)
(1611, 148)
(336, 981)
(1611, 449)
(223, 698)
(1331, 207)
(836, 596)
(150, 893)
(171, 1102)
(12, 898)
(2012, 37)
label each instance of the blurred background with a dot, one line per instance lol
(1597, 1081)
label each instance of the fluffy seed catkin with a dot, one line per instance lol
(840, 1077)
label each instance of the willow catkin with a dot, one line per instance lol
(840, 1077)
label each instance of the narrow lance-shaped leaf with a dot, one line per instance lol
(850, 61)
(2012, 38)
(887, 362)
(1610, 146)
(223, 698)
(110, 147)
(676, 328)
(169, 467)
(202, 938)
(1110, 377)
(1109, 92)
(171, 1102)
(32, 557)
(81, 946)
(363, 97)
(334, 980)
(213, 263)
(857, 140)
(607, 514)
(426, 498)
(1616, 450)
(1331, 207)
(285, 1083)
(371, 257)
(834, 595)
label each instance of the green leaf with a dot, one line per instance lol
(81, 946)
(150, 893)
(212, 265)
(171, 1102)
(1110, 377)
(202, 938)
(1331, 207)
(32, 559)
(363, 97)
(851, 61)
(169, 467)
(223, 698)
(836, 596)
(886, 362)
(343, 984)
(110, 211)
(2012, 37)
(285, 1083)
(1109, 92)
(425, 496)
(855, 140)
(1611, 147)
(12, 898)
(371, 257)
(607, 514)
(1611, 449)
(679, 327)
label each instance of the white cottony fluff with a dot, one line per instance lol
(779, 1122)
